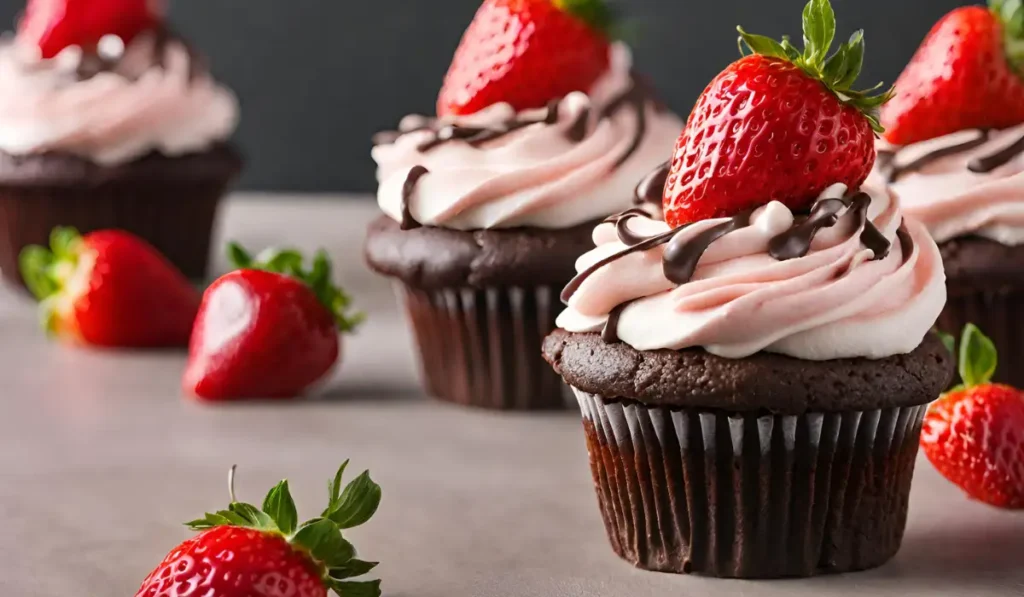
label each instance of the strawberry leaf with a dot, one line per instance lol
(819, 23)
(334, 487)
(280, 506)
(947, 340)
(1011, 13)
(351, 568)
(595, 13)
(357, 503)
(253, 517)
(978, 357)
(356, 589)
(322, 538)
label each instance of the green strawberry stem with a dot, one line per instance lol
(321, 538)
(47, 270)
(291, 263)
(595, 13)
(1011, 13)
(838, 72)
(977, 357)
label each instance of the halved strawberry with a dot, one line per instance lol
(109, 288)
(778, 125)
(974, 435)
(246, 551)
(527, 53)
(267, 330)
(966, 74)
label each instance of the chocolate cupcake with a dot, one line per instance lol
(486, 214)
(754, 370)
(122, 135)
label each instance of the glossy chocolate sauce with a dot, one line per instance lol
(408, 188)
(986, 164)
(651, 190)
(683, 254)
(888, 159)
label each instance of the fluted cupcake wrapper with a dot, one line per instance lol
(1000, 314)
(483, 347)
(176, 218)
(751, 496)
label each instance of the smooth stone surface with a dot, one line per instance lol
(103, 459)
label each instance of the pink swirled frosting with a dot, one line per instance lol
(950, 199)
(144, 103)
(577, 165)
(837, 301)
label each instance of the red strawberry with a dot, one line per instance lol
(974, 435)
(776, 125)
(53, 25)
(965, 75)
(246, 551)
(268, 330)
(110, 288)
(527, 53)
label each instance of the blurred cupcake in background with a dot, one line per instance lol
(953, 151)
(542, 129)
(110, 120)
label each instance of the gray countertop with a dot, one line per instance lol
(103, 459)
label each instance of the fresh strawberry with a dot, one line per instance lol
(777, 125)
(109, 288)
(527, 53)
(53, 25)
(966, 74)
(246, 551)
(974, 435)
(268, 330)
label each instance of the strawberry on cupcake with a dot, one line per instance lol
(542, 128)
(754, 370)
(953, 151)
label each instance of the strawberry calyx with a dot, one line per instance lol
(321, 538)
(290, 262)
(1011, 14)
(977, 357)
(595, 13)
(838, 72)
(53, 275)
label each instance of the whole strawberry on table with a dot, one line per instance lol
(270, 329)
(111, 289)
(245, 551)
(974, 435)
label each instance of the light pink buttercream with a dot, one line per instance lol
(114, 116)
(536, 176)
(952, 201)
(836, 302)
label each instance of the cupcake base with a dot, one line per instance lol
(748, 495)
(170, 202)
(482, 347)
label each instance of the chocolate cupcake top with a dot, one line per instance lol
(115, 105)
(968, 183)
(576, 161)
(851, 279)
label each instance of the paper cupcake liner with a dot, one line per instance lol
(175, 217)
(751, 496)
(1000, 314)
(483, 347)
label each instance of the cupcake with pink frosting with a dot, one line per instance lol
(954, 154)
(109, 120)
(488, 205)
(753, 371)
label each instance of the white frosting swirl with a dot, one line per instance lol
(114, 116)
(835, 302)
(536, 176)
(952, 201)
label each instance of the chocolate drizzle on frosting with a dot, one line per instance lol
(986, 164)
(888, 160)
(635, 97)
(408, 188)
(651, 190)
(683, 254)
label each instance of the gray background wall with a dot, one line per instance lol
(318, 77)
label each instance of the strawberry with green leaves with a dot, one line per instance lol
(780, 124)
(974, 435)
(269, 329)
(527, 53)
(246, 551)
(111, 289)
(967, 74)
